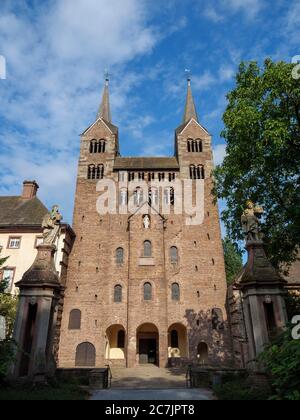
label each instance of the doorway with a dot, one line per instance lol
(147, 345)
(147, 351)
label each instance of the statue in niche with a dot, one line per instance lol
(147, 222)
(51, 226)
(251, 223)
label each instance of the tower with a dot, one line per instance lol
(144, 286)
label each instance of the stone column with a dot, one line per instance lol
(39, 286)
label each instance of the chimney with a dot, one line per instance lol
(29, 190)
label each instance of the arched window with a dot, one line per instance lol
(138, 197)
(97, 146)
(197, 172)
(147, 291)
(175, 292)
(199, 145)
(100, 172)
(85, 355)
(147, 249)
(120, 256)
(202, 353)
(121, 339)
(75, 319)
(118, 294)
(174, 255)
(91, 172)
(174, 339)
(153, 196)
(123, 197)
(189, 145)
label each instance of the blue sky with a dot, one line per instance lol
(56, 53)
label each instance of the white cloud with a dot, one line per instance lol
(211, 14)
(204, 81)
(219, 153)
(226, 73)
(225, 8)
(55, 68)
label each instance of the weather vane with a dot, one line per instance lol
(188, 74)
(106, 75)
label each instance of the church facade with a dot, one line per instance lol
(144, 286)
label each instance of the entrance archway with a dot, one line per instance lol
(177, 341)
(148, 344)
(115, 347)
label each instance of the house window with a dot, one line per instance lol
(14, 243)
(121, 339)
(147, 291)
(118, 294)
(85, 355)
(161, 176)
(8, 275)
(75, 319)
(174, 339)
(147, 249)
(174, 255)
(153, 196)
(38, 241)
(131, 176)
(175, 292)
(120, 256)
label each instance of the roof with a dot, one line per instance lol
(15, 211)
(140, 163)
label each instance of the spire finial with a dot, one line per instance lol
(190, 108)
(188, 76)
(104, 109)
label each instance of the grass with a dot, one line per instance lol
(241, 391)
(58, 391)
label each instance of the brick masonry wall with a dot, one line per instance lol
(93, 272)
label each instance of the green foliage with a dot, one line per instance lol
(262, 131)
(56, 391)
(233, 259)
(240, 391)
(6, 357)
(4, 282)
(8, 309)
(282, 361)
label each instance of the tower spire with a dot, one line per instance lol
(104, 109)
(190, 108)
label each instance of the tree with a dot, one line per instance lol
(233, 259)
(8, 309)
(262, 131)
(282, 361)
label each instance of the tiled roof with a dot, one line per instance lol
(155, 163)
(15, 211)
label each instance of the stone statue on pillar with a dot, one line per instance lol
(51, 226)
(251, 222)
(36, 322)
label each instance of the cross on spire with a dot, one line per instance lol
(190, 108)
(104, 109)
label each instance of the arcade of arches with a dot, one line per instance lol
(148, 347)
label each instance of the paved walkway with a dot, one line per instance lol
(150, 383)
(152, 395)
(148, 377)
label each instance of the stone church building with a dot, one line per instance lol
(144, 289)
